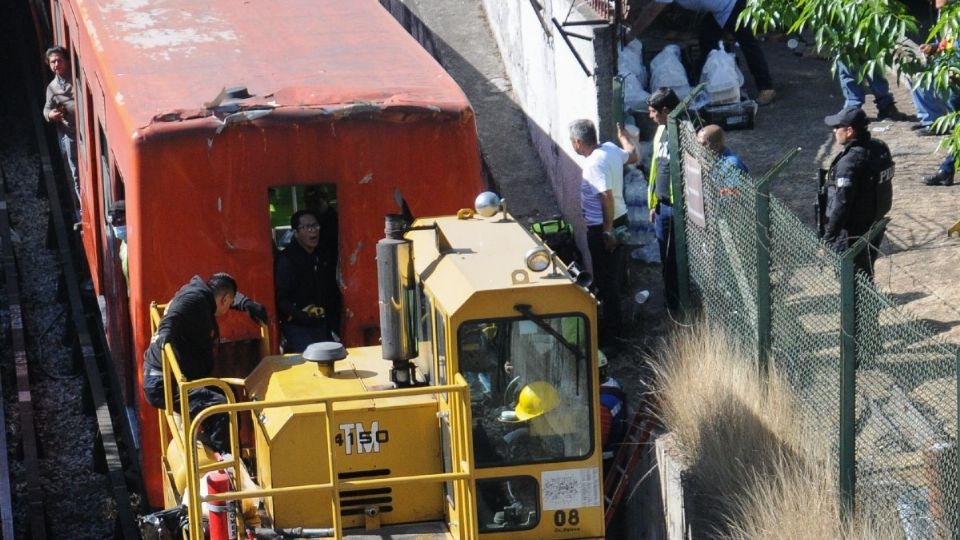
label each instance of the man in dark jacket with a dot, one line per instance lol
(189, 325)
(308, 298)
(859, 185)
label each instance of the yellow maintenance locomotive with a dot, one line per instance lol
(477, 416)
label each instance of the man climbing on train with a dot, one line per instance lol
(308, 298)
(189, 325)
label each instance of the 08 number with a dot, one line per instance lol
(561, 518)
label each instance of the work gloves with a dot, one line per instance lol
(314, 311)
(256, 311)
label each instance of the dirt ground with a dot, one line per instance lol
(918, 269)
(920, 260)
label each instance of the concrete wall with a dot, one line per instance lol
(552, 86)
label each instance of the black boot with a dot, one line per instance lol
(890, 112)
(942, 178)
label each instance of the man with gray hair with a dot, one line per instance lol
(604, 212)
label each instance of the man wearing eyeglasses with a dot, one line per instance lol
(308, 297)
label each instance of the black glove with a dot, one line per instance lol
(256, 311)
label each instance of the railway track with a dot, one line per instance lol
(28, 438)
(70, 470)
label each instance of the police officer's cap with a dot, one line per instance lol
(847, 117)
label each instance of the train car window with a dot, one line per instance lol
(83, 105)
(104, 163)
(117, 218)
(529, 391)
(320, 199)
(119, 188)
(508, 504)
(58, 24)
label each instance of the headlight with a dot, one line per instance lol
(538, 259)
(487, 203)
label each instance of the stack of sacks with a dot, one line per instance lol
(666, 70)
(630, 67)
(722, 77)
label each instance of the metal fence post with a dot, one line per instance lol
(679, 202)
(848, 381)
(616, 108)
(679, 215)
(956, 446)
(848, 369)
(763, 274)
(762, 205)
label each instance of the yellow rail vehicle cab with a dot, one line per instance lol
(371, 439)
(476, 417)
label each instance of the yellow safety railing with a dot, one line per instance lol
(186, 439)
(169, 427)
(460, 453)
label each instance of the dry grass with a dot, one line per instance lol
(751, 472)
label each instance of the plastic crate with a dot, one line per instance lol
(731, 117)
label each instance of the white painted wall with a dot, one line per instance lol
(552, 87)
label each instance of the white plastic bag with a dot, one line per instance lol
(666, 70)
(634, 96)
(630, 60)
(722, 77)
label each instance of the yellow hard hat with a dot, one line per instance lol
(535, 399)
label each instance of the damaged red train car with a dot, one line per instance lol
(203, 125)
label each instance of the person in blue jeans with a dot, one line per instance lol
(930, 106)
(854, 94)
(660, 192)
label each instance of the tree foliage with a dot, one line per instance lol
(869, 35)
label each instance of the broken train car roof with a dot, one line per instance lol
(169, 59)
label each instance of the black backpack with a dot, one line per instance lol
(883, 168)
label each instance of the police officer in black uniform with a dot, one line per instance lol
(859, 186)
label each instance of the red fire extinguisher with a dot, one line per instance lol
(223, 522)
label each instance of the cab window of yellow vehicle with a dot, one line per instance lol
(529, 389)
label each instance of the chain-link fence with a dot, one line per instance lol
(877, 386)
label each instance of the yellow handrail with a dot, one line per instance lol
(460, 441)
(172, 372)
(461, 474)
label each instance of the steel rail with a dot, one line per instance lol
(28, 430)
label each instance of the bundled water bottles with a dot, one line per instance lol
(641, 230)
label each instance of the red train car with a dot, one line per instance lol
(331, 99)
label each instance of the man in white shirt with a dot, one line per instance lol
(604, 211)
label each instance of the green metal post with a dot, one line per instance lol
(848, 369)
(848, 381)
(679, 204)
(763, 274)
(616, 108)
(762, 205)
